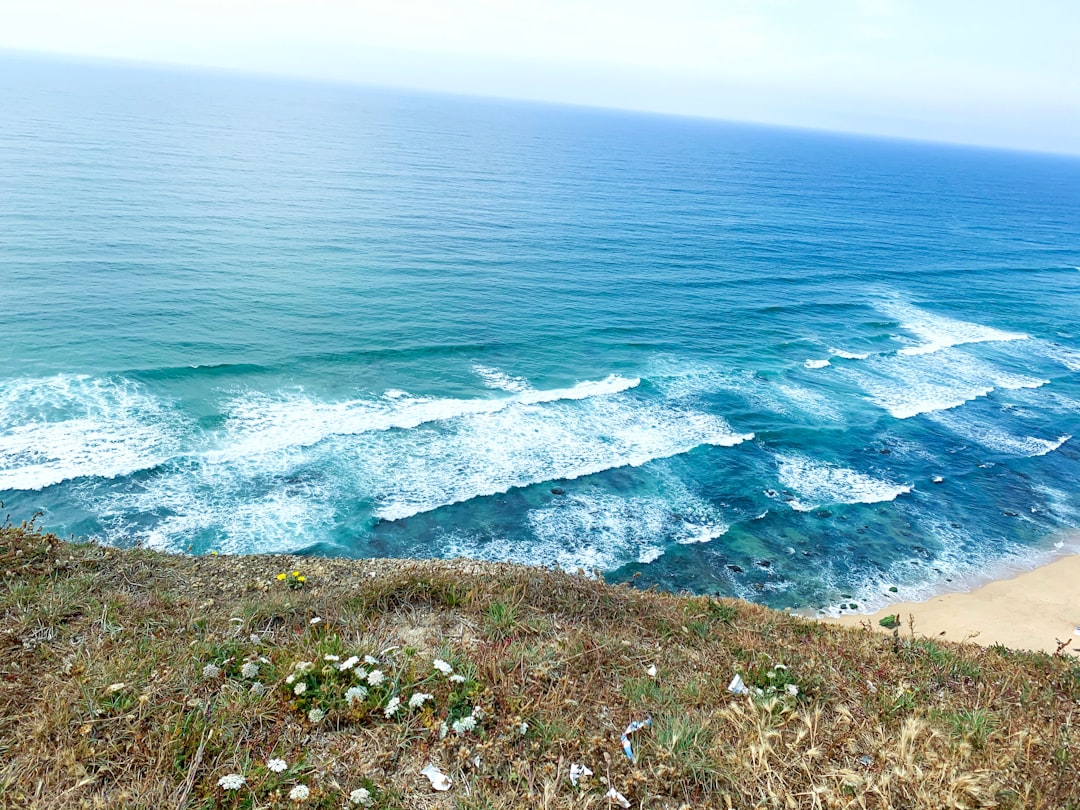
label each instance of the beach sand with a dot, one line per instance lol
(1030, 611)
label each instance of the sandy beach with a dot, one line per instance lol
(1032, 610)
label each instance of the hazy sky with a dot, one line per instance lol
(995, 72)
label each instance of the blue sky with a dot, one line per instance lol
(993, 72)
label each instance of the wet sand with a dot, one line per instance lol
(1030, 611)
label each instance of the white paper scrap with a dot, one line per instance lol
(737, 687)
(617, 797)
(439, 780)
(578, 772)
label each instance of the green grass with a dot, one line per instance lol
(104, 701)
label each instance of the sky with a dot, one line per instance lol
(994, 72)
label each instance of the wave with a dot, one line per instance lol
(259, 422)
(598, 531)
(785, 398)
(939, 332)
(72, 426)
(907, 386)
(994, 438)
(848, 355)
(500, 380)
(816, 363)
(820, 484)
(420, 470)
(234, 510)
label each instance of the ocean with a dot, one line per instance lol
(255, 315)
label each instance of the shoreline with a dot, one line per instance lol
(1033, 609)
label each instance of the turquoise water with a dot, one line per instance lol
(252, 315)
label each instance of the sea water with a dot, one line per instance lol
(253, 315)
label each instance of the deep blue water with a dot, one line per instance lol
(254, 315)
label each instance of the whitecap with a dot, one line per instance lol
(500, 380)
(73, 426)
(848, 355)
(939, 332)
(907, 386)
(414, 471)
(259, 422)
(993, 437)
(816, 363)
(818, 483)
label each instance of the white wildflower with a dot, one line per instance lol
(254, 638)
(791, 689)
(442, 666)
(299, 689)
(231, 781)
(457, 679)
(370, 660)
(303, 666)
(331, 658)
(375, 677)
(523, 729)
(277, 765)
(418, 698)
(443, 730)
(299, 793)
(316, 716)
(361, 797)
(355, 694)
(477, 712)
(313, 621)
(211, 671)
(249, 670)
(464, 725)
(258, 688)
(348, 663)
(392, 706)
(291, 679)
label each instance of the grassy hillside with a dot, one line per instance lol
(135, 679)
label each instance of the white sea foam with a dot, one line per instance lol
(260, 422)
(408, 472)
(994, 438)
(71, 426)
(848, 355)
(819, 484)
(250, 507)
(961, 561)
(779, 397)
(500, 380)
(906, 386)
(809, 402)
(939, 332)
(816, 363)
(599, 530)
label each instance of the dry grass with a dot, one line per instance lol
(104, 701)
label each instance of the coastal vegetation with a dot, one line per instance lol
(130, 678)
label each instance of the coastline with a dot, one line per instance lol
(1029, 610)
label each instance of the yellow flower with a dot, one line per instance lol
(302, 579)
(296, 573)
(280, 577)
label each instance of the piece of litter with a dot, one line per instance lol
(737, 687)
(871, 687)
(651, 671)
(617, 797)
(439, 780)
(1076, 631)
(578, 772)
(866, 760)
(627, 748)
